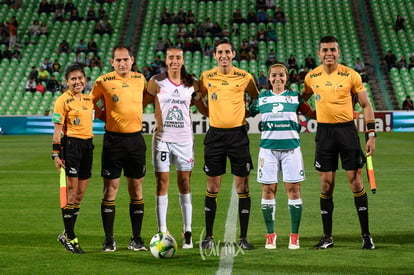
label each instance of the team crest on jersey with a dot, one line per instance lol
(175, 113)
(289, 99)
(214, 96)
(115, 98)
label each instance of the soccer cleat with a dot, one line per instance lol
(367, 242)
(62, 238)
(109, 245)
(244, 244)
(136, 244)
(271, 241)
(76, 247)
(294, 241)
(70, 245)
(188, 240)
(207, 243)
(325, 242)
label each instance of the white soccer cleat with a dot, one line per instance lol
(187, 240)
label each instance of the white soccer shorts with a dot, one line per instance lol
(288, 163)
(165, 154)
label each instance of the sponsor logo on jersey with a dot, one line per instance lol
(315, 75)
(176, 93)
(239, 74)
(174, 113)
(211, 75)
(108, 78)
(277, 108)
(176, 101)
(343, 74)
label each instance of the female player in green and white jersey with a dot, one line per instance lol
(280, 151)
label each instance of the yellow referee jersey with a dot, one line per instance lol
(227, 96)
(122, 98)
(333, 93)
(76, 115)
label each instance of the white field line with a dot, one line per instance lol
(226, 259)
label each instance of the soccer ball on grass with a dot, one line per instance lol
(163, 245)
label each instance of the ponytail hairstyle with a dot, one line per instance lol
(186, 77)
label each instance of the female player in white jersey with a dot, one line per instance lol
(173, 92)
(280, 151)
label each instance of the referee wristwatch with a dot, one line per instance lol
(372, 134)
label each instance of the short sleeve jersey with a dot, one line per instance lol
(333, 93)
(172, 110)
(122, 98)
(280, 126)
(227, 96)
(76, 115)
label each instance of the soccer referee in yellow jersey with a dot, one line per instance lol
(333, 86)
(122, 93)
(226, 87)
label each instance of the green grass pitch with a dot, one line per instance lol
(30, 218)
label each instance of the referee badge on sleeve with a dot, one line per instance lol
(214, 96)
(56, 117)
